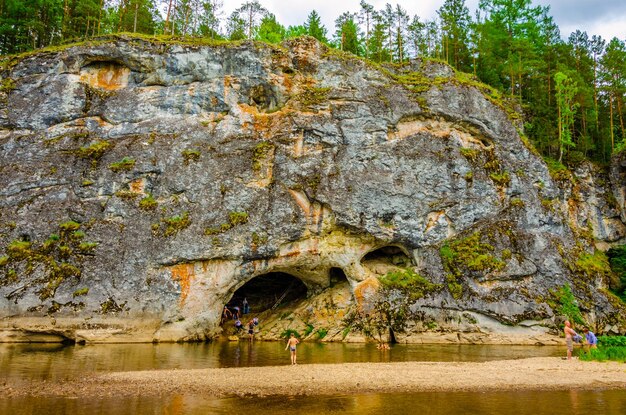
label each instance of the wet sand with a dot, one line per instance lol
(544, 373)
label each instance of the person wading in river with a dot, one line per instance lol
(291, 345)
(569, 334)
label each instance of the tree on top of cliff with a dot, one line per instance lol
(315, 28)
(251, 13)
(270, 30)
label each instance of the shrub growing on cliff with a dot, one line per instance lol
(617, 260)
(287, 333)
(596, 265)
(567, 305)
(46, 264)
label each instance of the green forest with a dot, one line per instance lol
(571, 92)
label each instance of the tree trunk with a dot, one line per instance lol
(167, 17)
(100, 15)
(250, 24)
(595, 91)
(560, 126)
(611, 123)
(619, 113)
(135, 20)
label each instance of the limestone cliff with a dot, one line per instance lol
(143, 183)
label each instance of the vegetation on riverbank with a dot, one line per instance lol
(609, 348)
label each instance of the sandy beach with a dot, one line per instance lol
(545, 373)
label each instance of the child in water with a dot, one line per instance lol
(291, 345)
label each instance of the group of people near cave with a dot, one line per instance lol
(227, 315)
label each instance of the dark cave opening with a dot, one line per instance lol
(267, 291)
(388, 254)
(337, 276)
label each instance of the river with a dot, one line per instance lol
(20, 363)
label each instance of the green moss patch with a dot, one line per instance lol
(191, 155)
(468, 256)
(408, 281)
(94, 151)
(558, 171)
(567, 305)
(125, 164)
(312, 96)
(48, 264)
(260, 153)
(175, 224)
(234, 219)
(148, 203)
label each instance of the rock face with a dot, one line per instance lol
(144, 183)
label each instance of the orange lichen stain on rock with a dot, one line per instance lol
(183, 274)
(138, 185)
(109, 77)
(301, 200)
(308, 246)
(433, 218)
(365, 290)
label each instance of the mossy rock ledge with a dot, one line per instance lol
(401, 196)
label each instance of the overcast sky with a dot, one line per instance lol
(598, 17)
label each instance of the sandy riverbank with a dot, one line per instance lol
(350, 378)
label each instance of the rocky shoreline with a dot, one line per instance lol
(113, 331)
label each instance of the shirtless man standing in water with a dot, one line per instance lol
(291, 345)
(569, 333)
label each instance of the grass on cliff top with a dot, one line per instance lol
(10, 60)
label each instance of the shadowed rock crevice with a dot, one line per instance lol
(337, 276)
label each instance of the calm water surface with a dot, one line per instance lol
(54, 361)
(19, 363)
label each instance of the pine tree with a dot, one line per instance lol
(376, 45)
(366, 15)
(251, 13)
(455, 27)
(236, 27)
(270, 30)
(613, 75)
(346, 35)
(401, 22)
(315, 28)
(565, 92)
(416, 37)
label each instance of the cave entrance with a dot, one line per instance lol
(337, 276)
(393, 255)
(269, 291)
(387, 259)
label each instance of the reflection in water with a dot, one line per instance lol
(611, 402)
(52, 362)
(22, 362)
